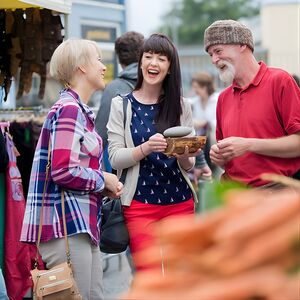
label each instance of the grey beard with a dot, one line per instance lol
(227, 76)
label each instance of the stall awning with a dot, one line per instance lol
(63, 6)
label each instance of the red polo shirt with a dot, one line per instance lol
(269, 107)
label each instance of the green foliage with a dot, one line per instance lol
(211, 194)
(187, 21)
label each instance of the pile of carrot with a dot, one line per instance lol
(248, 249)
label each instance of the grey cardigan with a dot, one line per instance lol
(120, 146)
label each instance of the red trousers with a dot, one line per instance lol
(140, 219)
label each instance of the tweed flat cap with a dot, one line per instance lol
(228, 32)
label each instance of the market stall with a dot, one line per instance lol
(62, 6)
(30, 30)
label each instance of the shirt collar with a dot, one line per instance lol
(85, 108)
(256, 80)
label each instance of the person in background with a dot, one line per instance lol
(296, 78)
(204, 113)
(258, 115)
(76, 154)
(156, 186)
(127, 48)
(3, 165)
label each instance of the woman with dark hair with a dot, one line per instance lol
(156, 186)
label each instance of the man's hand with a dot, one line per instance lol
(232, 147)
(216, 157)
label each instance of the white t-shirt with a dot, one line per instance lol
(207, 114)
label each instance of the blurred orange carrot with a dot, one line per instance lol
(264, 248)
(273, 211)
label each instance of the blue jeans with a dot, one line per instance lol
(3, 293)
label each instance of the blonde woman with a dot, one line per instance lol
(76, 155)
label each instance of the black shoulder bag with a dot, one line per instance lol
(114, 236)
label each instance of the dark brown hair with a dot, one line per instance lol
(205, 80)
(128, 47)
(170, 101)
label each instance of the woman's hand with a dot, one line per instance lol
(113, 187)
(202, 173)
(186, 154)
(187, 159)
(156, 143)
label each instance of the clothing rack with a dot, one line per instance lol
(24, 113)
(30, 109)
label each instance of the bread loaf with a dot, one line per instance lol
(177, 145)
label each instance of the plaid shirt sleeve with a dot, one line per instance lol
(75, 151)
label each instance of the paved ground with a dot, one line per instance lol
(117, 275)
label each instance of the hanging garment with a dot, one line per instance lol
(15, 51)
(17, 260)
(5, 40)
(25, 139)
(43, 33)
(2, 217)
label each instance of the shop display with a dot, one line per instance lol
(28, 39)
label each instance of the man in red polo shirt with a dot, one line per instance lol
(258, 115)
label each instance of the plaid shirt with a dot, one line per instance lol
(76, 154)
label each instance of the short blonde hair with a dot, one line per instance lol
(68, 56)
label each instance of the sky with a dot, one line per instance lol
(144, 16)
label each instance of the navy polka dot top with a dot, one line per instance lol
(160, 181)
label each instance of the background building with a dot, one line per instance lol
(280, 33)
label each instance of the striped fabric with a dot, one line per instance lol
(76, 154)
